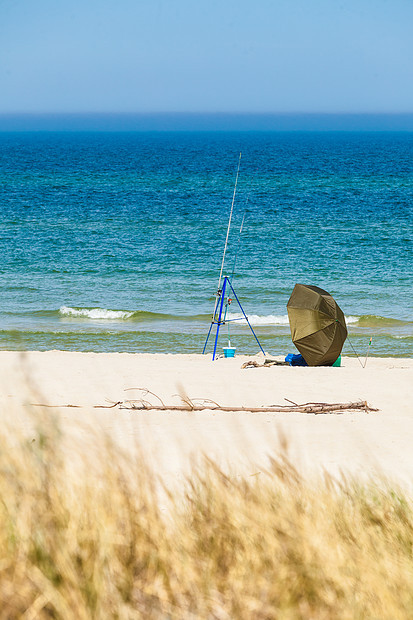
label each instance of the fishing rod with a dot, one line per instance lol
(368, 351)
(233, 268)
(226, 290)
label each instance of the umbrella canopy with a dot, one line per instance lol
(318, 327)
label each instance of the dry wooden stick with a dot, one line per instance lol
(315, 408)
(188, 404)
(266, 364)
(58, 406)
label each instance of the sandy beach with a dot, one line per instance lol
(372, 444)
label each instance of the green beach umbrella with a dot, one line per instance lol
(318, 327)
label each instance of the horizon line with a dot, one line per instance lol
(198, 113)
(206, 121)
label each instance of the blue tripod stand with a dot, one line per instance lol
(221, 318)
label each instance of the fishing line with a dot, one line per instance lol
(229, 223)
(239, 240)
(218, 293)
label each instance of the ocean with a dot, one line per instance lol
(114, 241)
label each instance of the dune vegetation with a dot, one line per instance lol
(96, 538)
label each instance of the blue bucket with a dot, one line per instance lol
(229, 351)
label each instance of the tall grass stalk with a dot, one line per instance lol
(93, 542)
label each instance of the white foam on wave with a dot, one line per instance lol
(273, 319)
(95, 313)
(255, 319)
(352, 319)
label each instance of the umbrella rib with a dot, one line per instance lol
(318, 330)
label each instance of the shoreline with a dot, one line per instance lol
(240, 356)
(363, 444)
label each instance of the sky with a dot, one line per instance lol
(215, 56)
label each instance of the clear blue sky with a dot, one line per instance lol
(217, 56)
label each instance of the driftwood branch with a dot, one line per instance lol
(205, 404)
(189, 404)
(267, 363)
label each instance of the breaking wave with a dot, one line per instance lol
(275, 319)
(95, 313)
(352, 319)
(255, 319)
(372, 320)
(367, 321)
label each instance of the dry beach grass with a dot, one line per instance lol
(94, 542)
(101, 515)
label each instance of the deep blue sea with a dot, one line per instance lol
(114, 241)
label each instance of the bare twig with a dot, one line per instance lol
(145, 392)
(291, 401)
(205, 401)
(54, 406)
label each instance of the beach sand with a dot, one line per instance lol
(368, 444)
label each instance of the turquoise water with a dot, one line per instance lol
(113, 241)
